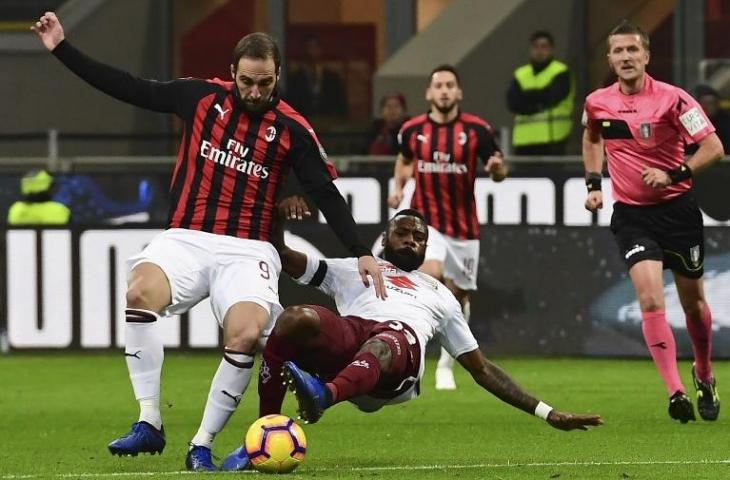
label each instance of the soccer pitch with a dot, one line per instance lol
(59, 412)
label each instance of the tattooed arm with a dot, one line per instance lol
(496, 381)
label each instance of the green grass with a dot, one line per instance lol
(60, 411)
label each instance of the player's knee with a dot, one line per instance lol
(297, 322)
(382, 352)
(650, 302)
(694, 308)
(140, 295)
(245, 338)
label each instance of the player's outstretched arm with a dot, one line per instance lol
(493, 379)
(149, 94)
(49, 30)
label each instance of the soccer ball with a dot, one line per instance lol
(275, 444)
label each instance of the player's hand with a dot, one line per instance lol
(367, 266)
(594, 201)
(49, 30)
(395, 198)
(294, 208)
(573, 421)
(655, 178)
(496, 168)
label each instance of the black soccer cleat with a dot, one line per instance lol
(708, 400)
(680, 407)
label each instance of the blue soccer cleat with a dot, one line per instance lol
(312, 395)
(236, 461)
(200, 459)
(142, 438)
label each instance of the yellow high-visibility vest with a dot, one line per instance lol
(40, 213)
(552, 125)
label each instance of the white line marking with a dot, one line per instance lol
(388, 468)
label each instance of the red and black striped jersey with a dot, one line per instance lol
(445, 169)
(230, 166)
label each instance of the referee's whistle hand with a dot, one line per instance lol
(49, 30)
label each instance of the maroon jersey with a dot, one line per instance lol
(445, 156)
(230, 165)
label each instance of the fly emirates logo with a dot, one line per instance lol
(234, 157)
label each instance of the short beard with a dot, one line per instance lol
(405, 258)
(446, 109)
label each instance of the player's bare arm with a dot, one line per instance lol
(493, 379)
(49, 30)
(403, 171)
(593, 163)
(293, 262)
(710, 151)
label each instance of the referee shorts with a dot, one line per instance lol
(671, 232)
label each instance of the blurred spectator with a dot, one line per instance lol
(541, 95)
(313, 89)
(37, 206)
(709, 99)
(383, 137)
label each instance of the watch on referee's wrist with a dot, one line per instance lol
(593, 181)
(680, 174)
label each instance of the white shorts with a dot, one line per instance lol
(460, 257)
(227, 269)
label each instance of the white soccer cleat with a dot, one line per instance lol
(445, 379)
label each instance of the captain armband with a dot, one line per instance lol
(680, 174)
(593, 181)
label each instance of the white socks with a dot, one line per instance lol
(144, 356)
(229, 383)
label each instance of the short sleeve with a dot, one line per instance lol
(690, 119)
(456, 336)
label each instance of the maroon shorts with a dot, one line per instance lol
(342, 337)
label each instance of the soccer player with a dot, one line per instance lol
(642, 125)
(372, 353)
(239, 143)
(440, 149)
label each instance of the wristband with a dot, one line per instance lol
(680, 174)
(593, 181)
(543, 410)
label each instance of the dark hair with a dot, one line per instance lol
(408, 212)
(445, 68)
(543, 34)
(628, 28)
(258, 45)
(396, 95)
